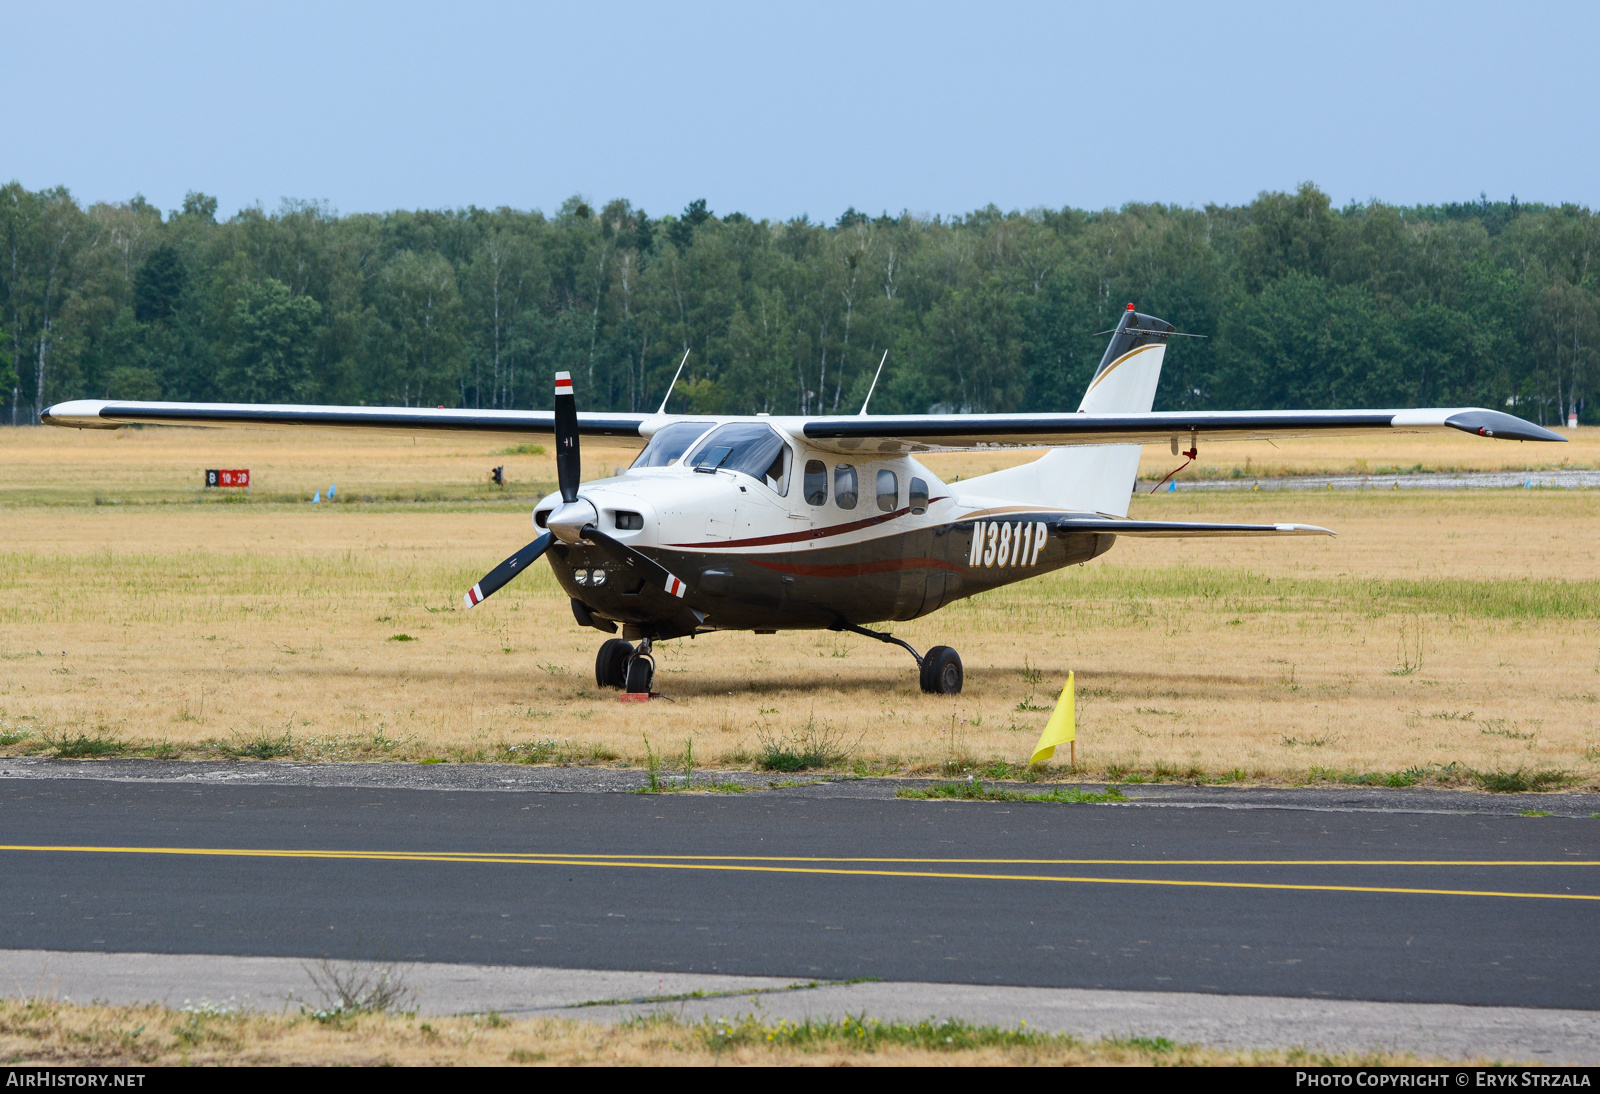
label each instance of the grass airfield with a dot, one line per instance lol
(1449, 637)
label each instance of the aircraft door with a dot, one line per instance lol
(722, 521)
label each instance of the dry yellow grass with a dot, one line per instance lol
(130, 466)
(43, 1032)
(1438, 629)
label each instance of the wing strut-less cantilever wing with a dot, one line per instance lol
(957, 432)
(404, 421)
(873, 434)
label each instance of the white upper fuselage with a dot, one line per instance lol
(715, 511)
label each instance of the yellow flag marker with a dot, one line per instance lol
(1061, 728)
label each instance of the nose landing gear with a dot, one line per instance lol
(620, 665)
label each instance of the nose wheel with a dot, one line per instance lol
(611, 663)
(620, 665)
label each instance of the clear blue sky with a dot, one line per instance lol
(781, 109)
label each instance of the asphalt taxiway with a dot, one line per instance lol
(1345, 900)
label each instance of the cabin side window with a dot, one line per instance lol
(919, 496)
(888, 491)
(816, 482)
(845, 490)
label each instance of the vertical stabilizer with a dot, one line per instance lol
(1095, 478)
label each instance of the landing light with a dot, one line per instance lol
(597, 577)
(581, 576)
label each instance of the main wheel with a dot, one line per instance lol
(611, 663)
(641, 670)
(941, 671)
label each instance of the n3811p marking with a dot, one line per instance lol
(998, 543)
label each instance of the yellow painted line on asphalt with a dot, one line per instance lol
(650, 863)
(624, 856)
(542, 856)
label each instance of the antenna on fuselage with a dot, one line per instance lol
(874, 386)
(673, 386)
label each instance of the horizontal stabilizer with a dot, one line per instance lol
(1173, 529)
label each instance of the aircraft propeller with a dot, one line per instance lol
(576, 519)
(568, 473)
(499, 577)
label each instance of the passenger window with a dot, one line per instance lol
(919, 496)
(844, 486)
(816, 482)
(888, 491)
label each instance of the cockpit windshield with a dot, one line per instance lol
(748, 447)
(670, 443)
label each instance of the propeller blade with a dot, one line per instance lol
(567, 467)
(497, 578)
(651, 570)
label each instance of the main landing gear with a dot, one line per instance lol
(620, 665)
(940, 667)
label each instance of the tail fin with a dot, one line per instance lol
(1098, 478)
(1126, 380)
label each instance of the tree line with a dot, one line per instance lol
(1301, 304)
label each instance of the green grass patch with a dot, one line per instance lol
(546, 751)
(1451, 774)
(863, 1034)
(1000, 769)
(975, 790)
(1127, 592)
(1394, 780)
(814, 745)
(84, 747)
(675, 785)
(521, 450)
(263, 746)
(1521, 780)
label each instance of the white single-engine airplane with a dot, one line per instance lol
(767, 523)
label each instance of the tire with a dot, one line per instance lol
(641, 670)
(611, 663)
(941, 671)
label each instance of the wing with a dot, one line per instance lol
(874, 434)
(958, 432)
(1173, 529)
(404, 421)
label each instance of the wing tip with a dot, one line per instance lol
(77, 414)
(1501, 426)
